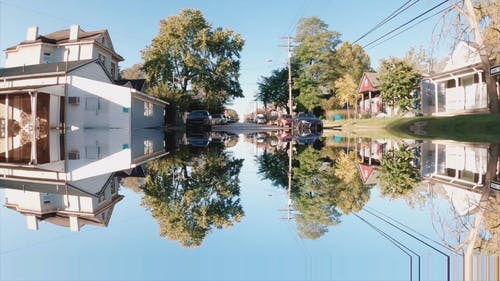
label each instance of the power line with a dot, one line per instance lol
(412, 26)
(406, 23)
(388, 18)
(421, 241)
(396, 243)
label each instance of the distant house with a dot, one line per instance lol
(459, 88)
(73, 44)
(370, 101)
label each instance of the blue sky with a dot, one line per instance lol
(133, 23)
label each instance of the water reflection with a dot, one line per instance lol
(194, 191)
(195, 188)
(331, 181)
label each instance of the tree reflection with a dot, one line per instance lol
(315, 201)
(352, 194)
(398, 175)
(274, 167)
(325, 184)
(192, 193)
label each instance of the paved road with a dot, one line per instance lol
(243, 128)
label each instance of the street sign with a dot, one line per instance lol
(495, 185)
(495, 70)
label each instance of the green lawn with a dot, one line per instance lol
(465, 128)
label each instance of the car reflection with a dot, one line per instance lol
(201, 138)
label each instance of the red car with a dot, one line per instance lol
(285, 120)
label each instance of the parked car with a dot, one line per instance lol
(199, 119)
(307, 121)
(285, 120)
(260, 119)
(218, 119)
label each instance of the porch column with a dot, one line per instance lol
(33, 127)
(6, 128)
(436, 158)
(370, 101)
(362, 103)
(436, 100)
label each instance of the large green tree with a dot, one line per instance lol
(352, 60)
(274, 88)
(315, 55)
(398, 79)
(192, 193)
(191, 58)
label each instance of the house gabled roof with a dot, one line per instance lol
(62, 37)
(369, 82)
(43, 68)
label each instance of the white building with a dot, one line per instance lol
(65, 126)
(459, 88)
(71, 44)
(45, 109)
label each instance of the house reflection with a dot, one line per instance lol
(83, 189)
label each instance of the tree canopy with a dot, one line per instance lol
(315, 54)
(398, 79)
(191, 58)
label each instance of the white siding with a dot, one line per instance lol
(101, 152)
(140, 119)
(26, 55)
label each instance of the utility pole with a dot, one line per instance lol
(289, 49)
(290, 102)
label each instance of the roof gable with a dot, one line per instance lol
(369, 82)
(463, 55)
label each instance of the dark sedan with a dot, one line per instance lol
(307, 121)
(200, 119)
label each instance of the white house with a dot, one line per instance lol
(459, 88)
(47, 110)
(71, 205)
(65, 125)
(71, 44)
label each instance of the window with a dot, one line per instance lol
(451, 83)
(46, 58)
(148, 109)
(113, 69)
(102, 58)
(113, 186)
(92, 152)
(148, 147)
(96, 104)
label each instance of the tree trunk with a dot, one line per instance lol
(491, 86)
